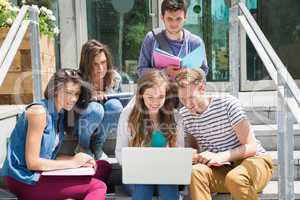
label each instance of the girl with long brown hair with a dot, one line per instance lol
(150, 121)
(98, 115)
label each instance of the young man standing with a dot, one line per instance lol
(231, 159)
(177, 40)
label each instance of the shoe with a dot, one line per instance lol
(87, 151)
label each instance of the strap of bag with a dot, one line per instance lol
(160, 36)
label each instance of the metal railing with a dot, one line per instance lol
(13, 41)
(288, 109)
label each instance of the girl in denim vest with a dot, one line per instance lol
(36, 140)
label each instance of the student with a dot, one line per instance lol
(174, 38)
(98, 115)
(231, 159)
(35, 141)
(151, 113)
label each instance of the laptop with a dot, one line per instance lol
(124, 97)
(147, 165)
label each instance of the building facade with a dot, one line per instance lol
(122, 25)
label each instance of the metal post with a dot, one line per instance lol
(35, 53)
(234, 47)
(285, 144)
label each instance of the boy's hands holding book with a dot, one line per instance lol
(193, 59)
(172, 71)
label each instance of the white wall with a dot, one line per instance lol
(8, 115)
(73, 31)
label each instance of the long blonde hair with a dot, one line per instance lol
(139, 122)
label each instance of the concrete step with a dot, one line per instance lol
(259, 115)
(267, 134)
(116, 177)
(6, 195)
(269, 193)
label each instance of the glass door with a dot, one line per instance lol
(122, 25)
(280, 22)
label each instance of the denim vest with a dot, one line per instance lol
(15, 163)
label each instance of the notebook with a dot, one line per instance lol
(193, 59)
(81, 171)
(147, 165)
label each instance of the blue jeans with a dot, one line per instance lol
(145, 192)
(96, 122)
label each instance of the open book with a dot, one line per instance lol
(81, 171)
(192, 60)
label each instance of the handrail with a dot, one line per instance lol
(11, 34)
(288, 96)
(13, 41)
(13, 50)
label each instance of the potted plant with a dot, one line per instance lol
(17, 86)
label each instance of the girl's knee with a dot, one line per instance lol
(113, 105)
(104, 170)
(95, 110)
(97, 184)
(104, 166)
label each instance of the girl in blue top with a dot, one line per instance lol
(34, 144)
(150, 121)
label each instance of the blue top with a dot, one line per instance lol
(179, 48)
(15, 163)
(158, 139)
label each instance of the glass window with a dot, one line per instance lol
(123, 33)
(210, 20)
(280, 22)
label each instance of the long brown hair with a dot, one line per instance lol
(89, 51)
(139, 122)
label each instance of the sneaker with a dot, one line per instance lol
(87, 151)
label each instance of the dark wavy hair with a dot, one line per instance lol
(59, 79)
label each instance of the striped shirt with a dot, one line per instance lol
(213, 129)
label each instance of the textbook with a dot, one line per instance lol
(164, 59)
(81, 171)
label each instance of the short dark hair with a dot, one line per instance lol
(173, 5)
(59, 79)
